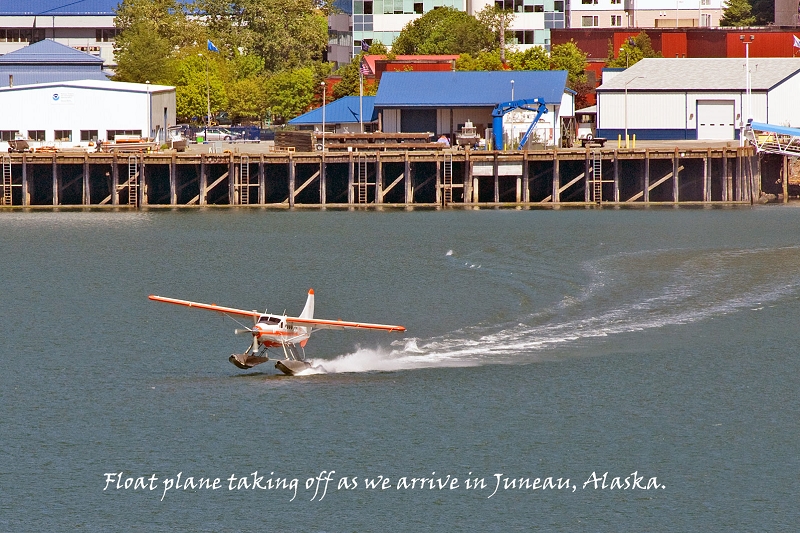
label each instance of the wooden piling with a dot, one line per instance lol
(556, 196)
(616, 176)
(676, 186)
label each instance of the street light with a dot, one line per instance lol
(627, 57)
(626, 107)
(747, 86)
(323, 115)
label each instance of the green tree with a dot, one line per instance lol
(194, 86)
(633, 50)
(378, 48)
(443, 31)
(764, 11)
(290, 92)
(349, 85)
(143, 55)
(284, 33)
(489, 60)
(569, 57)
(149, 32)
(497, 20)
(534, 58)
(737, 13)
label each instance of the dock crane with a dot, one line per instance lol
(503, 108)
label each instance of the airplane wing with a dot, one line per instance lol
(209, 307)
(319, 323)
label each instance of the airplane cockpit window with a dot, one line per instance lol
(269, 320)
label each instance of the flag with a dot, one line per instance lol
(364, 46)
(796, 41)
(364, 69)
(211, 47)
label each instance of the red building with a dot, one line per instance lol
(766, 41)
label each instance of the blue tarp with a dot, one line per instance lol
(342, 111)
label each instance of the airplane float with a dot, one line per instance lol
(286, 333)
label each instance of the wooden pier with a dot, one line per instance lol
(580, 176)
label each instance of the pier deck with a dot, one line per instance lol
(672, 175)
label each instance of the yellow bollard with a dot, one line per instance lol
(633, 144)
(619, 141)
(627, 139)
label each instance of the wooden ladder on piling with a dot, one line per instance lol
(133, 180)
(244, 180)
(447, 179)
(6, 180)
(597, 176)
(361, 179)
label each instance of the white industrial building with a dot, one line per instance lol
(76, 113)
(694, 98)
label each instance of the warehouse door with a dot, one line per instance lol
(418, 120)
(715, 120)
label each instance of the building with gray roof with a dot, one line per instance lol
(698, 98)
(48, 61)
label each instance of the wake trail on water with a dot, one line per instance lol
(619, 294)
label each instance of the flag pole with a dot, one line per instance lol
(361, 99)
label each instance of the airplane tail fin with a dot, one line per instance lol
(308, 312)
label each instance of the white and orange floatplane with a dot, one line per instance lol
(281, 332)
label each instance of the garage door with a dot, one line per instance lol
(715, 120)
(418, 120)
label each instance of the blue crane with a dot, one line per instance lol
(500, 111)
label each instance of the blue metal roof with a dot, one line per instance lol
(341, 111)
(468, 89)
(58, 7)
(49, 52)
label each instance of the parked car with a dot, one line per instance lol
(219, 134)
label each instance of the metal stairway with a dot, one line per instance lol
(597, 177)
(244, 180)
(133, 180)
(447, 179)
(361, 179)
(6, 180)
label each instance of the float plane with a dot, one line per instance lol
(285, 333)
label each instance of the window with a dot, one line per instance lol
(21, 35)
(368, 7)
(538, 8)
(106, 35)
(112, 134)
(8, 135)
(558, 6)
(36, 135)
(63, 135)
(590, 21)
(418, 8)
(616, 20)
(616, 1)
(88, 135)
(524, 36)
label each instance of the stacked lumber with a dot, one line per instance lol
(301, 141)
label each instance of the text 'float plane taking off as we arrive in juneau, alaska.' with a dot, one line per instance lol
(279, 331)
